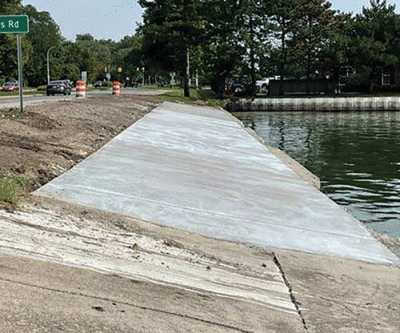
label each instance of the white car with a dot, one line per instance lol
(98, 84)
(263, 85)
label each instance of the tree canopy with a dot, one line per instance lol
(289, 38)
(216, 39)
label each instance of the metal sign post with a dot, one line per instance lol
(20, 79)
(16, 24)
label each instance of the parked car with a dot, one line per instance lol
(58, 87)
(98, 84)
(131, 83)
(238, 85)
(262, 86)
(10, 86)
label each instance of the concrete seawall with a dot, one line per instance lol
(317, 104)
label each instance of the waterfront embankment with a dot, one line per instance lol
(198, 169)
(197, 194)
(316, 104)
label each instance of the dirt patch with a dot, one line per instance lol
(50, 138)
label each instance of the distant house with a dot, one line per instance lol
(387, 80)
(391, 78)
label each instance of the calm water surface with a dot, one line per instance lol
(356, 155)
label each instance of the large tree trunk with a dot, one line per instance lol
(218, 85)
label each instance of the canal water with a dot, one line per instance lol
(356, 155)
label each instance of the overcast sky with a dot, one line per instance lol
(114, 19)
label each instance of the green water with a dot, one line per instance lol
(356, 155)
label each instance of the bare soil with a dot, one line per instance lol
(50, 138)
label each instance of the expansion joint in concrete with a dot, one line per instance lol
(288, 285)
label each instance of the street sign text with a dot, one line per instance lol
(16, 24)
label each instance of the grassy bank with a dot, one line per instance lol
(11, 190)
(197, 96)
(25, 93)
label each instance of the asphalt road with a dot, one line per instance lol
(14, 100)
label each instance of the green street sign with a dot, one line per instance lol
(15, 24)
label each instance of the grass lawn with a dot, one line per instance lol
(25, 93)
(205, 96)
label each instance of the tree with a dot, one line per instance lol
(10, 7)
(253, 33)
(225, 49)
(129, 56)
(103, 50)
(77, 56)
(334, 52)
(44, 33)
(375, 43)
(170, 28)
(311, 33)
(283, 16)
(8, 43)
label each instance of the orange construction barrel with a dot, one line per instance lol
(116, 88)
(80, 88)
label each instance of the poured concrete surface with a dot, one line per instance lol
(198, 169)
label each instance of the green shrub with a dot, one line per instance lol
(41, 88)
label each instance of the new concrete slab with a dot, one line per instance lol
(198, 169)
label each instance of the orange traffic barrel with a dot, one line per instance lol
(80, 88)
(116, 88)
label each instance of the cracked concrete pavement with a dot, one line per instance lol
(72, 268)
(127, 275)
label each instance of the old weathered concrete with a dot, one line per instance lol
(341, 295)
(42, 296)
(198, 169)
(68, 268)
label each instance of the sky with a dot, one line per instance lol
(114, 19)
